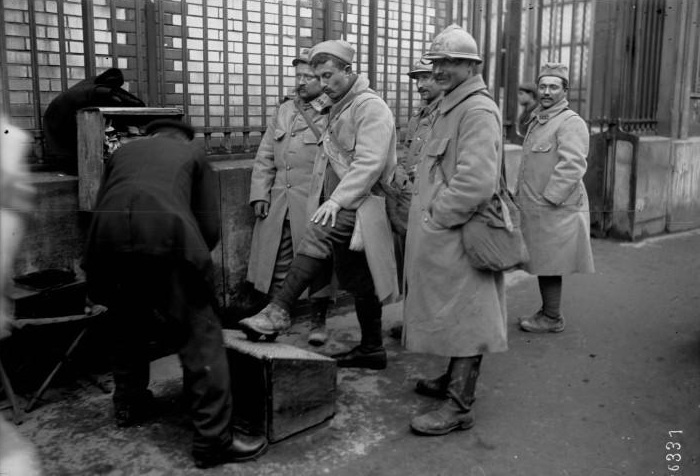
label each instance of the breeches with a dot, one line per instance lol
(325, 242)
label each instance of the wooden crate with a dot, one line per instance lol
(278, 389)
(91, 133)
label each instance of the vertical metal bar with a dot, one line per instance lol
(372, 47)
(36, 91)
(487, 46)
(511, 65)
(139, 45)
(412, 59)
(227, 96)
(113, 28)
(185, 59)
(551, 32)
(345, 19)
(476, 20)
(425, 26)
(88, 37)
(151, 54)
(460, 13)
(246, 101)
(449, 18)
(161, 37)
(327, 19)
(499, 57)
(62, 46)
(385, 82)
(398, 89)
(561, 30)
(280, 47)
(572, 55)
(538, 54)
(586, 6)
(658, 28)
(5, 102)
(358, 45)
(263, 64)
(205, 57)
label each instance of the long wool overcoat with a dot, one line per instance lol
(551, 193)
(363, 127)
(451, 308)
(282, 177)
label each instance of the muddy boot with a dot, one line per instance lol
(269, 322)
(370, 354)
(455, 413)
(319, 309)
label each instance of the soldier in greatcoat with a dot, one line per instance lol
(350, 227)
(552, 196)
(279, 191)
(451, 308)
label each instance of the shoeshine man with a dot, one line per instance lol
(350, 227)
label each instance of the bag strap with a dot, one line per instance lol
(502, 173)
(308, 120)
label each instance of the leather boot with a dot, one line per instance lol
(319, 309)
(455, 413)
(370, 354)
(242, 448)
(434, 387)
(270, 321)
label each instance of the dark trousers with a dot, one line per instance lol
(149, 295)
(319, 287)
(325, 242)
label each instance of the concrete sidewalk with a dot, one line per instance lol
(596, 400)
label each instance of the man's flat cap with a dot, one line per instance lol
(420, 67)
(559, 70)
(338, 48)
(302, 58)
(158, 124)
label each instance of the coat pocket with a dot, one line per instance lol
(542, 147)
(279, 134)
(436, 148)
(308, 137)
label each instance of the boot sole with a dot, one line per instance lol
(429, 393)
(255, 335)
(460, 427)
(210, 464)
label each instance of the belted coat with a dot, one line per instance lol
(452, 309)
(282, 177)
(363, 127)
(551, 194)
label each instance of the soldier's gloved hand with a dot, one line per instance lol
(261, 208)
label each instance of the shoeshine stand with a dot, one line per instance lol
(278, 389)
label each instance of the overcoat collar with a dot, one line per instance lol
(359, 85)
(460, 93)
(427, 109)
(542, 115)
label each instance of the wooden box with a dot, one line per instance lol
(92, 122)
(278, 389)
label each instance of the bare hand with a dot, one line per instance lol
(328, 209)
(94, 309)
(261, 208)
